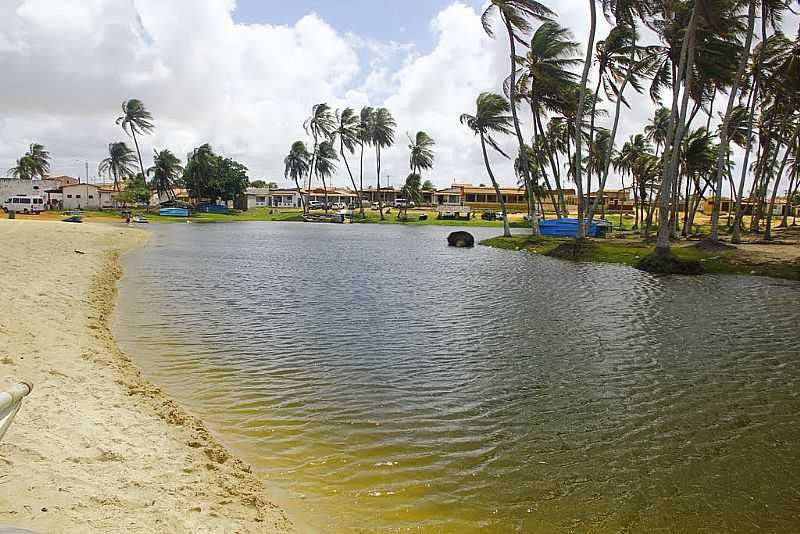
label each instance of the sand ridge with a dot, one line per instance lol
(97, 448)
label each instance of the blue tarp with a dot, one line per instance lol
(569, 227)
(174, 212)
(212, 208)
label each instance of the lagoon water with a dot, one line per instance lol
(380, 381)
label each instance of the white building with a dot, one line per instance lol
(257, 197)
(87, 197)
(47, 188)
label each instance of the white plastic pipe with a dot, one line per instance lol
(10, 403)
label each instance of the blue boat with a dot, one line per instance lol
(569, 227)
(173, 212)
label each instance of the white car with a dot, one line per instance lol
(339, 206)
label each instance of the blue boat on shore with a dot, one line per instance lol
(173, 212)
(569, 227)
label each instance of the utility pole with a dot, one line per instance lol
(87, 172)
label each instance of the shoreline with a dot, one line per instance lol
(773, 260)
(96, 447)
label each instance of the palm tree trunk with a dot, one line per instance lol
(506, 227)
(300, 194)
(349, 173)
(675, 134)
(590, 147)
(138, 152)
(579, 120)
(771, 209)
(378, 168)
(361, 180)
(724, 140)
(553, 164)
(737, 220)
(613, 137)
(310, 175)
(526, 172)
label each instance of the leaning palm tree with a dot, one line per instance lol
(491, 117)
(119, 163)
(347, 130)
(544, 73)
(320, 126)
(381, 135)
(166, 171)
(516, 16)
(422, 155)
(296, 165)
(325, 165)
(136, 119)
(723, 155)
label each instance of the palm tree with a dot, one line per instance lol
(544, 73)
(412, 192)
(491, 117)
(422, 155)
(582, 88)
(325, 166)
(166, 170)
(199, 172)
(656, 130)
(320, 126)
(35, 163)
(516, 16)
(724, 131)
(119, 163)
(364, 129)
(348, 132)
(136, 119)
(381, 135)
(296, 165)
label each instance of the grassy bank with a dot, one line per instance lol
(291, 215)
(631, 251)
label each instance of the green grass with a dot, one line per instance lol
(630, 252)
(296, 215)
(373, 217)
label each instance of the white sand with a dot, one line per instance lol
(96, 448)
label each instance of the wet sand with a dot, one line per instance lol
(96, 448)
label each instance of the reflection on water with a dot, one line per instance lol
(383, 382)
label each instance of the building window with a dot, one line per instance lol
(91, 196)
(35, 187)
(77, 196)
(69, 196)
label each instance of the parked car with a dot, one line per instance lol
(403, 203)
(489, 216)
(315, 205)
(24, 204)
(375, 205)
(339, 206)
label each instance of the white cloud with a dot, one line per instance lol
(68, 64)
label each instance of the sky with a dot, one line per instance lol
(243, 76)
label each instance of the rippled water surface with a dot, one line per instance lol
(381, 381)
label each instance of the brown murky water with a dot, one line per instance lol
(382, 382)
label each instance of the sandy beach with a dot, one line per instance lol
(96, 448)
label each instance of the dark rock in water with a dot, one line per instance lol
(461, 240)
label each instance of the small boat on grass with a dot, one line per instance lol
(336, 218)
(140, 220)
(173, 212)
(73, 217)
(569, 227)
